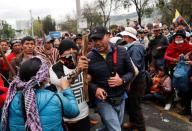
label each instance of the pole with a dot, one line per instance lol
(187, 24)
(42, 31)
(85, 72)
(78, 15)
(32, 31)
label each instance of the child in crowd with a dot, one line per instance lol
(149, 75)
(161, 89)
(152, 71)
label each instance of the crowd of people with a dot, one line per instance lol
(42, 82)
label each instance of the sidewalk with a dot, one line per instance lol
(156, 119)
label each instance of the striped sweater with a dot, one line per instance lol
(50, 56)
(57, 71)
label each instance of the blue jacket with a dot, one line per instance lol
(137, 53)
(100, 70)
(49, 107)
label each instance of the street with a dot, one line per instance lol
(158, 120)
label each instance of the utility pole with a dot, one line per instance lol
(32, 31)
(78, 8)
(78, 11)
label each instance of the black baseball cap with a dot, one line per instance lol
(98, 32)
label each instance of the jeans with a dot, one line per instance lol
(155, 96)
(112, 116)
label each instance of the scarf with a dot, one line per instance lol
(51, 56)
(69, 61)
(27, 88)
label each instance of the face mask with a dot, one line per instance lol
(179, 41)
(70, 60)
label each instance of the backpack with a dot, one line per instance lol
(181, 75)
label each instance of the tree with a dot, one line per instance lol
(167, 9)
(106, 6)
(140, 5)
(91, 14)
(6, 31)
(37, 27)
(69, 25)
(184, 7)
(113, 27)
(48, 24)
(148, 11)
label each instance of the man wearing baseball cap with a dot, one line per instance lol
(111, 70)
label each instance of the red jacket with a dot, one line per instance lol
(10, 57)
(3, 93)
(174, 50)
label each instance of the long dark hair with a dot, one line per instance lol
(29, 68)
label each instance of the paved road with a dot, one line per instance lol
(158, 120)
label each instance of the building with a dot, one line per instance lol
(22, 25)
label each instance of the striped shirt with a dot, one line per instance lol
(77, 87)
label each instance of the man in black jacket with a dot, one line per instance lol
(111, 70)
(157, 47)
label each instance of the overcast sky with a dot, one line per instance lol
(12, 10)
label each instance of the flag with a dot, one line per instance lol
(178, 18)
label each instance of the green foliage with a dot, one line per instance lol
(105, 7)
(7, 31)
(148, 11)
(69, 25)
(113, 27)
(166, 13)
(140, 6)
(48, 24)
(167, 9)
(92, 16)
(37, 28)
(183, 6)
